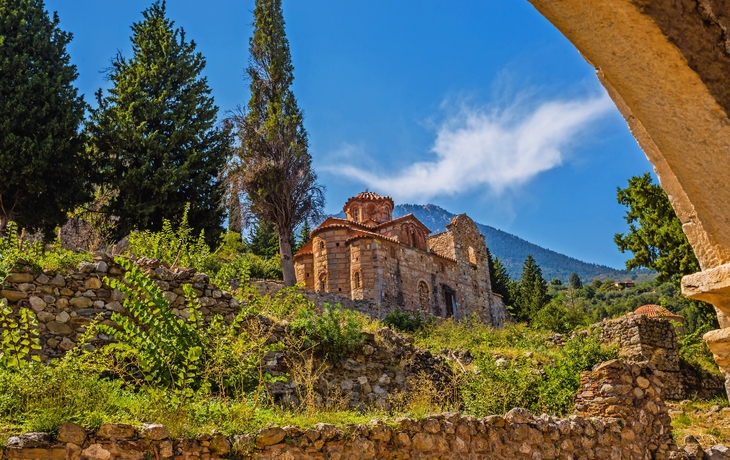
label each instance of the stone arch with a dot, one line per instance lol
(356, 281)
(666, 66)
(472, 255)
(323, 281)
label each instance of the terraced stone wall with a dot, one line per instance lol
(620, 415)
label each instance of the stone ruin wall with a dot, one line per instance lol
(619, 415)
(66, 303)
(643, 338)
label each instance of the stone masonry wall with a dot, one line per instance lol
(65, 303)
(643, 338)
(620, 415)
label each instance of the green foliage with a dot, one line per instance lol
(166, 347)
(557, 317)
(156, 132)
(188, 356)
(271, 168)
(499, 278)
(405, 322)
(303, 236)
(19, 337)
(335, 331)
(51, 257)
(44, 167)
(264, 240)
(170, 246)
(575, 281)
(533, 291)
(655, 234)
(496, 389)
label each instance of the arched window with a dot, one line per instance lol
(356, 280)
(472, 255)
(321, 245)
(323, 282)
(441, 267)
(423, 296)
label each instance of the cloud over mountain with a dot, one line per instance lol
(497, 148)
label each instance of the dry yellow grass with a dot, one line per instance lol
(707, 421)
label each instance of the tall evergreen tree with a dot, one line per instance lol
(655, 235)
(575, 281)
(272, 168)
(533, 292)
(44, 169)
(157, 129)
(499, 278)
(264, 239)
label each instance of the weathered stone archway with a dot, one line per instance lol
(666, 65)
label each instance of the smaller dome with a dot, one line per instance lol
(369, 206)
(657, 311)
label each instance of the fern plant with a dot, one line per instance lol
(19, 337)
(166, 348)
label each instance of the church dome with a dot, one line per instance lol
(369, 206)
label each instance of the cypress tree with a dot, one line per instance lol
(272, 168)
(156, 128)
(264, 240)
(533, 292)
(303, 236)
(44, 169)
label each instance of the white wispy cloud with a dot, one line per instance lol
(498, 148)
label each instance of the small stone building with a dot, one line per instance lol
(398, 264)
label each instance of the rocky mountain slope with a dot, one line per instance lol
(512, 250)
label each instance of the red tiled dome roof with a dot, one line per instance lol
(368, 196)
(657, 311)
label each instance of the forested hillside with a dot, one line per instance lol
(513, 250)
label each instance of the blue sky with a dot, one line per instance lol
(477, 106)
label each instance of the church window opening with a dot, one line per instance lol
(423, 296)
(323, 282)
(356, 280)
(321, 245)
(472, 255)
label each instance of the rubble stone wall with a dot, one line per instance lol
(643, 338)
(620, 415)
(65, 303)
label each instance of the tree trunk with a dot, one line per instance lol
(287, 261)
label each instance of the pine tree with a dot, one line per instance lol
(156, 128)
(533, 292)
(575, 281)
(264, 240)
(44, 170)
(272, 168)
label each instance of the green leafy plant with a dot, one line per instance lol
(173, 246)
(335, 331)
(166, 347)
(19, 337)
(405, 322)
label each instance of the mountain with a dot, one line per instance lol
(513, 250)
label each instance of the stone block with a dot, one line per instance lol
(13, 296)
(17, 278)
(270, 436)
(54, 327)
(154, 431)
(81, 302)
(116, 431)
(71, 432)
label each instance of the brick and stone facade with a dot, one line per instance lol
(398, 264)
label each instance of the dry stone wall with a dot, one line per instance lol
(620, 415)
(65, 303)
(643, 338)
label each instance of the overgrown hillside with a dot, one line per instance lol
(512, 250)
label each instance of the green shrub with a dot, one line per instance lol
(335, 332)
(405, 322)
(549, 388)
(182, 355)
(557, 317)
